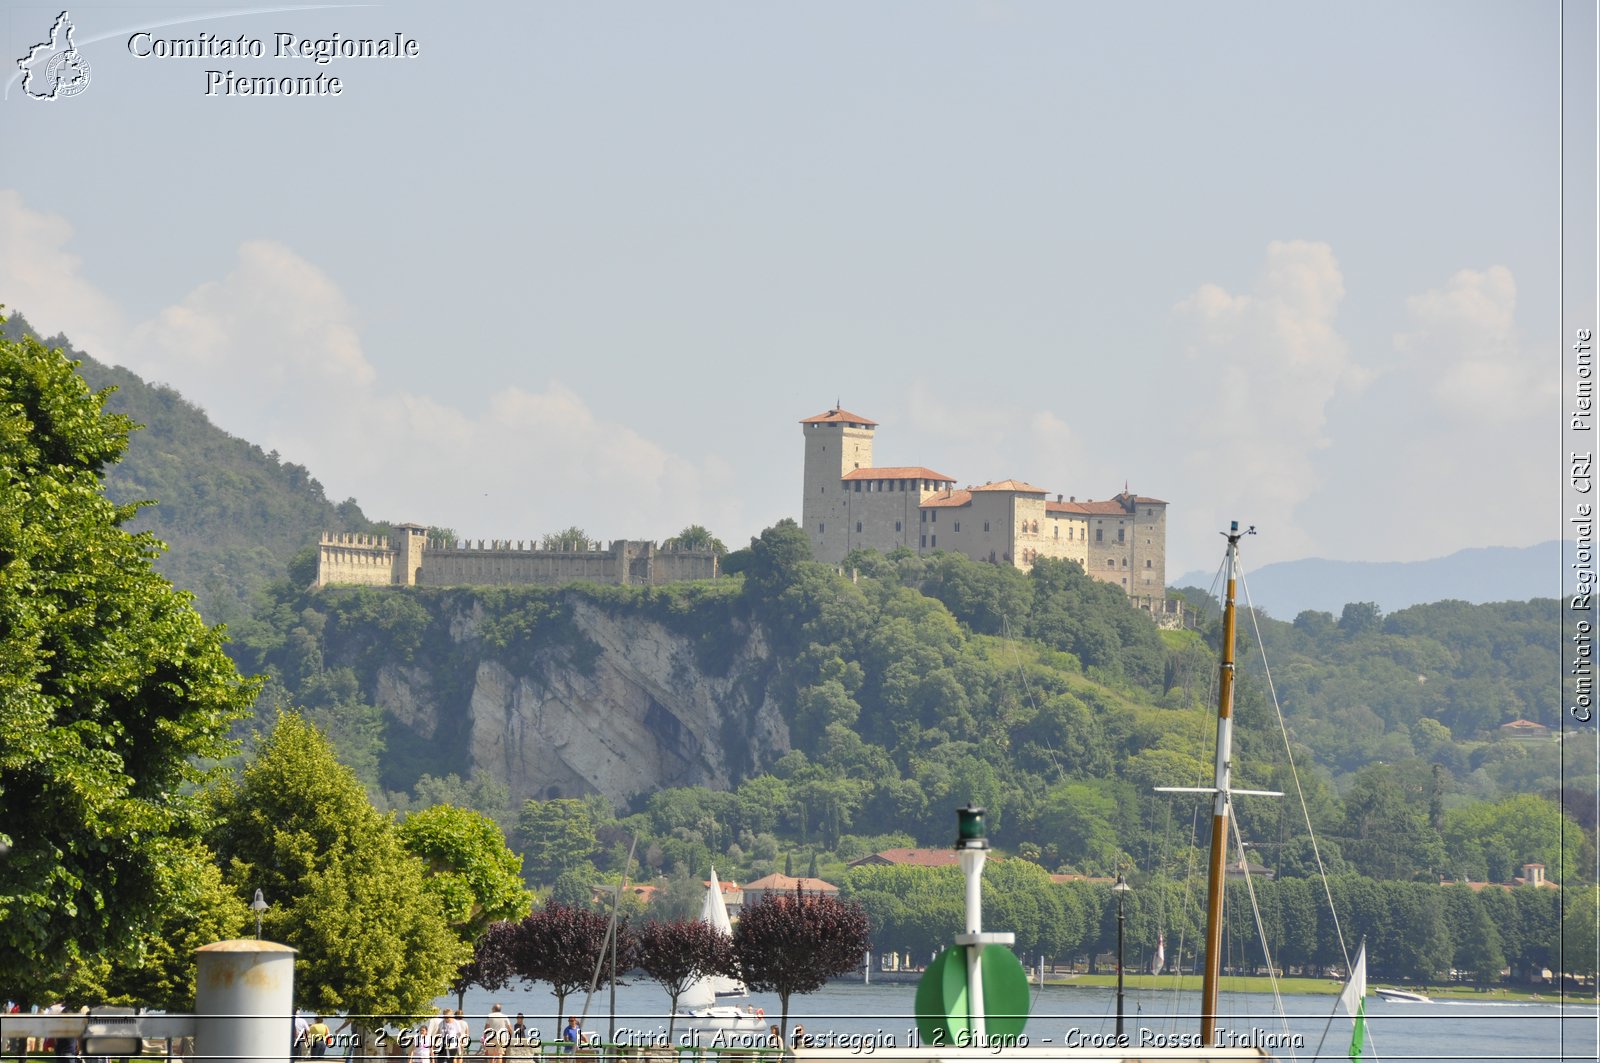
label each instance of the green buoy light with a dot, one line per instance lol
(969, 829)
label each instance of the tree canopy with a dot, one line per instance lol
(794, 944)
(112, 689)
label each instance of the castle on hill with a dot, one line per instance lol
(851, 504)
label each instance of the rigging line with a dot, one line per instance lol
(1261, 931)
(1294, 771)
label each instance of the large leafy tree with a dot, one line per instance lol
(676, 953)
(112, 689)
(342, 890)
(477, 877)
(794, 944)
(556, 836)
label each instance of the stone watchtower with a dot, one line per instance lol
(837, 442)
(410, 540)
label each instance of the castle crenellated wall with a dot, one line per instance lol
(370, 561)
(355, 558)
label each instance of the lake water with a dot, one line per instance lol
(1061, 1015)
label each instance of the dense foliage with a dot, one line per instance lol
(373, 938)
(112, 690)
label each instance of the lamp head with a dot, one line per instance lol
(969, 828)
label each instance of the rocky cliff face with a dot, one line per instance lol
(643, 716)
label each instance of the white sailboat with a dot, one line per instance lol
(697, 1004)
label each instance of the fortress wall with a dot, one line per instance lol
(670, 566)
(496, 563)
(881, 520)
(1064, 537)
(367, 560)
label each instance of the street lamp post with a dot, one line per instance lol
(1121, 889)
(258, 906)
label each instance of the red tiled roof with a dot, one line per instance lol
(1106, 507)
(785, 884)
(898, 472)
(1011, 485)
(840, 416)
(947, 498)
(912, 857)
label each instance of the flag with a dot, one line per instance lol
(1161, 954)
(1354, 999)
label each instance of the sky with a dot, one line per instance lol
(589, 264)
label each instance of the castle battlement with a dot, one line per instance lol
(370, 560)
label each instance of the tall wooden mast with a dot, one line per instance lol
(1222, 792)
(1220, 808)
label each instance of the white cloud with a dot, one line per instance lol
(1463, 340)
(42, 280)
(273, 353)
(1264, 367)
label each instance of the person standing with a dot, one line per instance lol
(573, 1034)
(463, 1035)
(317, 1038)
(301, 1025)
(422, 1048)
(496, 1034)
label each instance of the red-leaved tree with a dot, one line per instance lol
(563, 946)
(793, 944)
(493, 963)
(677, 953)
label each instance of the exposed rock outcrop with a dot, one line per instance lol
(643, 717)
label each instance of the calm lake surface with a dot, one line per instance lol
(1062, 1015)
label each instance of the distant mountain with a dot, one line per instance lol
(232, 515)
(1480, 574)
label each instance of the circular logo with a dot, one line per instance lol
(67, 73)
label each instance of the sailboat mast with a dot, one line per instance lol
(1222, 805)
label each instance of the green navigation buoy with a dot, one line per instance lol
(943, 1003)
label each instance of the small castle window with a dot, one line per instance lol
(858, 525)
(924, 542)
(985, 525)
(935, 540)
(1119, 535)
(958, 525)
(1147, 562)
(935, 517)
(1110, 563)
(1058, 531)
(822, 528)
(924, 516)
(897, 528)
(858, 487)
(1099, 535)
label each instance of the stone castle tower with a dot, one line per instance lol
(837, 443)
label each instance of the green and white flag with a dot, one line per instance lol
(1354, 999)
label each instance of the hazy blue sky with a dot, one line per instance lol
(588, 263)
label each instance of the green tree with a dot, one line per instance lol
(372, 937)
(696, 537)
(159, 970)
(556, 836)
(477, 878)
(112, 689)
(572, 538)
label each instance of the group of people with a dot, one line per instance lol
(446, 1037)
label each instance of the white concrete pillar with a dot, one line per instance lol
(244, 1002)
